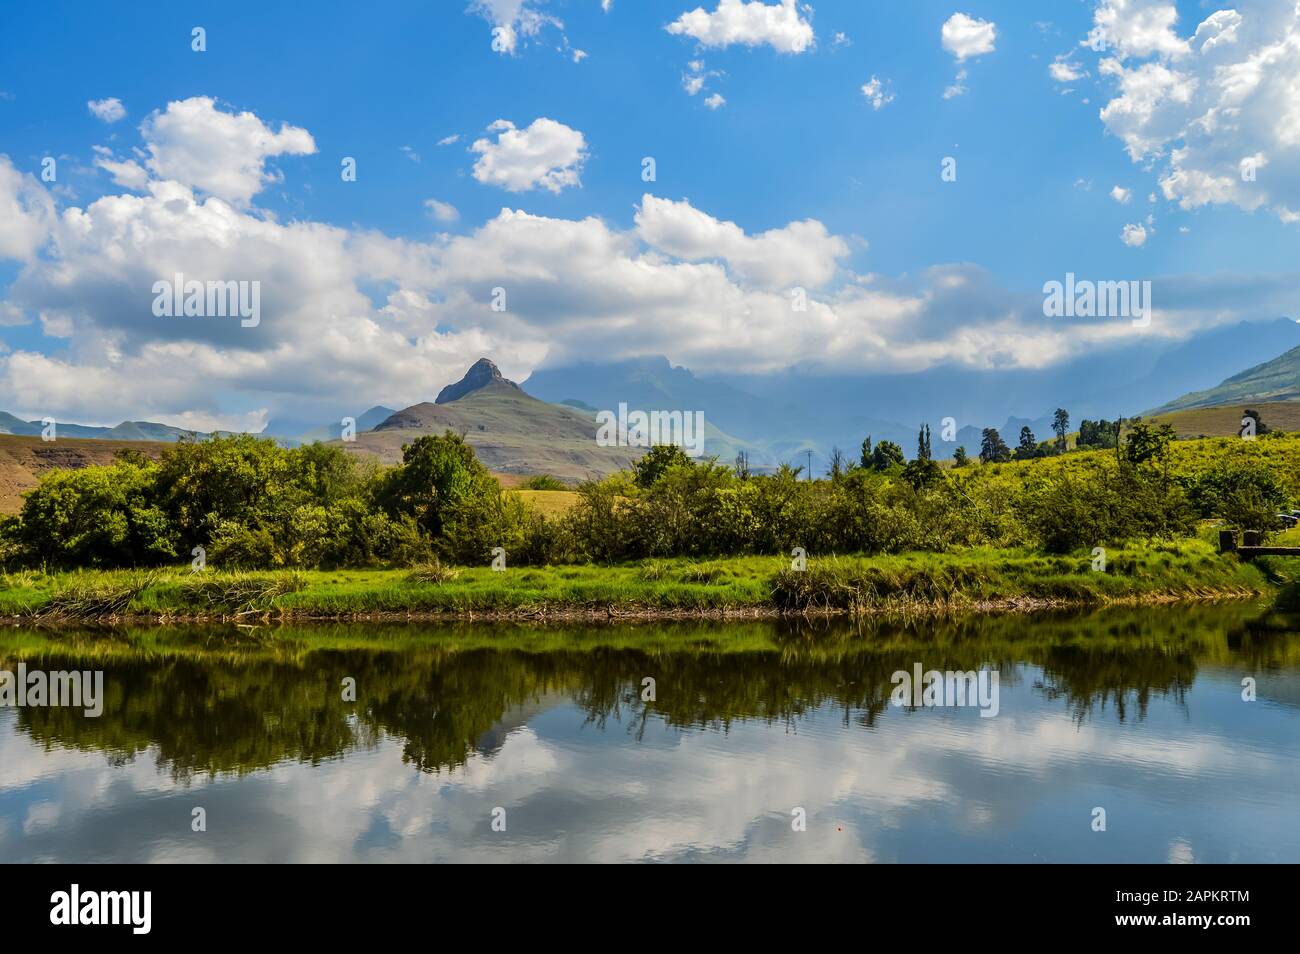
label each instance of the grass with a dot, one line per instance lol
(977, 578)
(550, 503)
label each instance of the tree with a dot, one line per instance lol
(922, 473)
(959, 457)
(866, 460)
(923, 443)
(1061, 425)
(741, 466)
(436, 473)
(1100, 433)
(96, 516)
(1028, 447)
(886, 455)
(993, 450)
(656, 462)
(1148, 443)
(839, 464)
(202, 484)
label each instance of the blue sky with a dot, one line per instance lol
(795, 140)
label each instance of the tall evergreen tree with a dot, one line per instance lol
(1061, 425)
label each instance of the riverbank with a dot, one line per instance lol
(743, 587)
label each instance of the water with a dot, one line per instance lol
(1137, 712)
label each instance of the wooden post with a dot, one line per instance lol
(1227, 541)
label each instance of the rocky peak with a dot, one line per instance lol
(480, 375)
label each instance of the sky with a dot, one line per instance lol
(854, 186)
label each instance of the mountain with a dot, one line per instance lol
(291, 433)
(482, 374)
(511, 431)
(787, 413)
(1272, 381)
(126, 431)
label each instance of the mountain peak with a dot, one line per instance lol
(481, 374)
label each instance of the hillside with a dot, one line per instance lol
(1273, 381)
(511, 431)
(1225, 420)
(24, 459)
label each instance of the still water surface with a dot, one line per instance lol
(1139, 712)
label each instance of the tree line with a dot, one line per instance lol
(244, 502)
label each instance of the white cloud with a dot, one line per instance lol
(1063, 70)
(697, 77)
(1218, 28)
(126, 172)
(411, 154)
(1212, 111)
(964, 36)
(442, 211)
(1133, 235)
(802, 253)
(715, 101)
(752, 23)
(1136, 28)
(957, 88)
(513, 20)
(26, 213)
(448, 140)
(1121, 195)
(877, 93)
(224, 154)
(107, 110)
(548, 154)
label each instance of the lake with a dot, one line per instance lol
(747, 741)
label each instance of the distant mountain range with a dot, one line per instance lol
(126, 431)
(547, 425)
(789, 413)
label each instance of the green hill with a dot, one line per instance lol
(1273, 381)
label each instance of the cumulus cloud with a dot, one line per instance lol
(748, 22)
(1216, 113)
(1134, 236)
(877, 93)
(106, 110)
(802, 253)
(1121, 195)
(547, 155)
(26, 213)
(1136, 28)
(715, 101)
(223, 154)
(964, 36)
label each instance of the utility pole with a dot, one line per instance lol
(810, 466)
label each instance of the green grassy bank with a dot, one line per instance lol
(984, 579)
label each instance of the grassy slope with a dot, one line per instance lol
(916, 581)
(1280, 453)
(1225, 420)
